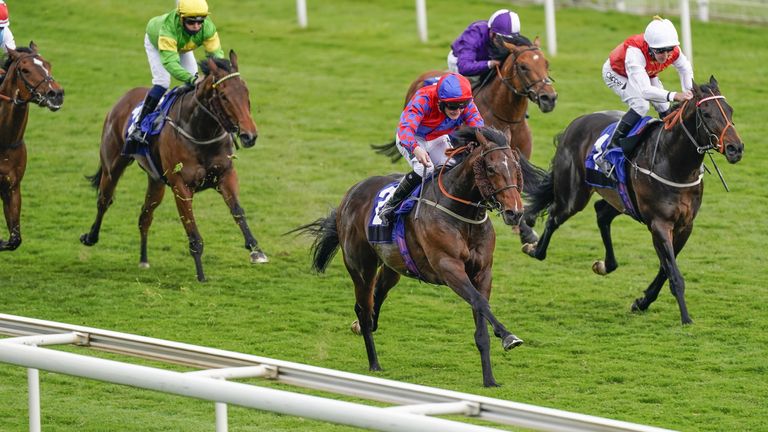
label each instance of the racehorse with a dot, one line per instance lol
(193, 152)
(449, 236)
(28, 79)
(663, 182)
(502, 98)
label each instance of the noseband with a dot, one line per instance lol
(34, 95)
(489, 201)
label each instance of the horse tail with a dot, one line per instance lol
(95, 179)
(389, 150)
(326, 242)
(533, 176)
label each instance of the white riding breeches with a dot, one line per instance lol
(628, 93)
(436, 149)
(453, 62)
(160, 76)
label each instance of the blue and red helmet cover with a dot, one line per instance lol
(453, 87)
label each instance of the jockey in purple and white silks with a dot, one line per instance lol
(422, 138)
(632, 69)
(479, 48)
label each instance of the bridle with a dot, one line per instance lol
(488, 194)
(34, 95)
(714, 142)
(528, 84)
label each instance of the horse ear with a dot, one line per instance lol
(713, 82)
(212, 65)
(32, 46)
(480, 137)
(696, 90)
(233, 60)
(537, 42)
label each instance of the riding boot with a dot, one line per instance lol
(407, 184)
(137, 138)
(625, 125)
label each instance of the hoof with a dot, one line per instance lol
(355, 327)
(143, 265)
(529, 248)
(258, 257)
(636, 307)
(510, 342)
(85, 239)
(599, 267)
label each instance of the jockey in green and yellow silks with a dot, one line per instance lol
(169, 41)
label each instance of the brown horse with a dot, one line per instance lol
(502, 98)
(193, 152)
(449, 236)
(664, 183)
(28, 80)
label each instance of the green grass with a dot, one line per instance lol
(320, 96)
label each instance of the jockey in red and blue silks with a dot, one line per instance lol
(6, 37)
(422, 138)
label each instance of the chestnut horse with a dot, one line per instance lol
(502, 98)
(28, 79)
(449, 236)
(193, 152)
(664, 183)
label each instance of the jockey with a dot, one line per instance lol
(422, 137)
(6, 37)
(480, 47)
(632, 70)
(169, 42)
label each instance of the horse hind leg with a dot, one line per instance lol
(364, 278)
(606, 213)
(12, 210)
(105, 182)
(153, 198)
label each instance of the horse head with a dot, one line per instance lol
(497, 172)
(31, 75)
(227, 96)
(525, 72)
(714, 121)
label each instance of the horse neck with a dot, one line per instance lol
(460, 182)
(676, 153)
(194, 119)
(13, 116)
(502, 103)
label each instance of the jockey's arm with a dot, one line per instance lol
(410, 120)
(472, 117)
(635, 65)
(172, 63)
(7, 40)
(685, 70)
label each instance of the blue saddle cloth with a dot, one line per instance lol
(617, 163)
(153, 123)
(393, 233)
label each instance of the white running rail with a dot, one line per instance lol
(415, 404)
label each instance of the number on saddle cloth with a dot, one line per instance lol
(378, 233)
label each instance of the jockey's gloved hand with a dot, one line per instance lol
(190, 84)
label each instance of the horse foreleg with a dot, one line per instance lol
(183, 196)
(228, 187)
(12, 209)
(153, 198)
(483, 344)
(539, 249)
(651, 293)
(605, 213)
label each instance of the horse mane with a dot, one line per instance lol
(19, 49)
(466, 135)
(220, 62)
(488, 76)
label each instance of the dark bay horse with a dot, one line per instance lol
(502, 99)
(28, 79)
(450, 240)
(664, 183)
(194, 151)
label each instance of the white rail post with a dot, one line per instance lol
(33, 382)
(421, 19)
(301, 12)
(685, 27)
(549, 18)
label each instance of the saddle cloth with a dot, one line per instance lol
(616, 177)
(153, 123)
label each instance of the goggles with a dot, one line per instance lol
(453, 106)
(194, 20)
(662, 50)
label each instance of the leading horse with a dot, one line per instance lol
(663, 182)
(28, 80)
(502, 98)
(449, 237)
(194, 151)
